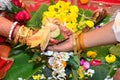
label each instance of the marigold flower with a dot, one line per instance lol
(110, 58)
(84, 1)
(91, 54)
(65, 12)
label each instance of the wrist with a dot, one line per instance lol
(79, 42)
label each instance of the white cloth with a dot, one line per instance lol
(116, 27)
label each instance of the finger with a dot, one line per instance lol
(60, 48)
(64, 46)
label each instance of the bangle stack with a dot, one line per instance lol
(12, 30)
(78, 42)
(81, 41)
(22, 35)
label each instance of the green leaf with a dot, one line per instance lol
(21, 68)
(105, 69)
(101, 51)
(88, 13)
(79, 14)
(74, 60)
(112, 71)
(115, 49)
(74, 74)
(73, 63)
(59, 37)
(36, 20)
(15, 9)
(100, 72)
(52, 2)
(105, 20)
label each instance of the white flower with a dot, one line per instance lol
(20, 78)
(90, 72)
(5, 4)
(51, 61)
(48, 53)
(64, 56)
(108, 78)
(42, 76)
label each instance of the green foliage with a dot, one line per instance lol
(100, 71)
(15, 9)
(105, 20)
(105, 69)
(36, 20)
(75, 65)
(115, 49)
(84, 13)
(101, 51)
(20, 68)
(60, 37)
(73, 62)
(52, 2)
(88, 13)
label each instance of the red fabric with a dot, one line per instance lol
(5, 65)
(39, 2)
(109, 2)
(85, 6)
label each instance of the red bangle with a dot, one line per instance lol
(12, 30)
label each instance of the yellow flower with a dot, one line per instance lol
(62, 5)
(71, 26)
(65, 12)
(91, 54)
(51, 8)
(80, 72)
(110, 58)
(36, 77)
(74, 9)
(89, 23)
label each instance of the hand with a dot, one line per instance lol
(117, 75)
(67, 45)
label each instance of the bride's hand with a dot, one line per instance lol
(67, 45)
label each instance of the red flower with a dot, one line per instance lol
(22, 16)
(95, 62)
(17, 3)
(5, 65)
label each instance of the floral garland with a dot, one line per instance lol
(58, 65)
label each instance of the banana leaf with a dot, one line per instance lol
(36, 20)
(21, 68)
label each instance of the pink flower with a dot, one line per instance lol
(17, 3)
(22, 16)
(86, 65)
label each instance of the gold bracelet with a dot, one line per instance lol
(77, 47)
(81, 41)
(75, 44)
(22, 35)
